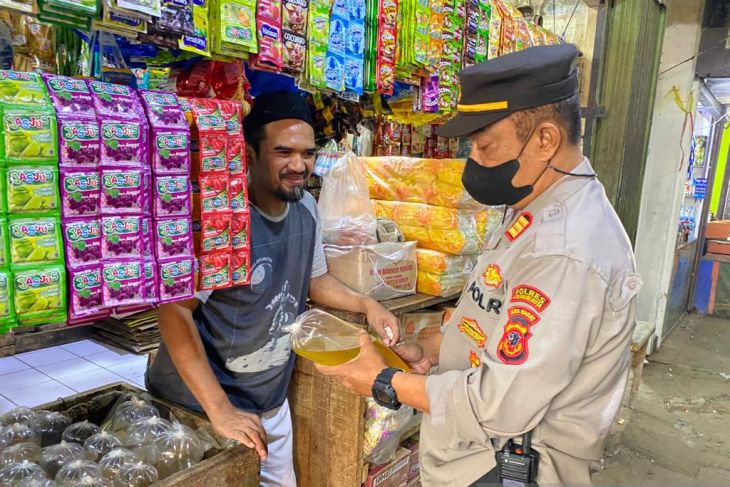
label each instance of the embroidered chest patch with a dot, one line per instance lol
(492, 276)
(472, 330)
(532, 296)
(512, 348)
(520, 226)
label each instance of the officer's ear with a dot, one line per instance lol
(551, 138)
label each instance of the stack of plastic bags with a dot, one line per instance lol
(441, 274)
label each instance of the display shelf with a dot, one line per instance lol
(396, 306)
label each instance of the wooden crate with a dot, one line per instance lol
(236, 466)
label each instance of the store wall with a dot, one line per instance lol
(663, 187)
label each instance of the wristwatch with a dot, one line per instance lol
(383, 391)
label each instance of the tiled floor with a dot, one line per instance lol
(34, 378)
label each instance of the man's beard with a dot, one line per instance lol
(290, 196)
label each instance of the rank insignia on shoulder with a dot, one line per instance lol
(493, 276)
(519, 227)
(473, 331)
(474, 360)
(532, 296)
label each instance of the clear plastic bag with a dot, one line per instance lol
(127, 413)
(54, 457)
(37, 483)
(80, 432)
(101, 443)
(90, 481)
(144, 431)
(328, 340)
(76, 471)
(344, 205)
(49, 426)
(18, 433)
(136, 475)
(175, 450)
(113, 461)
(17, 415)
(11, 475)
(20, 452)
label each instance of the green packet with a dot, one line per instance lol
(87, 7)
(35, 241)
(199, 43)
(32, 190)
(29, 136)
(25, 89)
(40, 294)
(3, 192)
(7, 308)
(4, 244)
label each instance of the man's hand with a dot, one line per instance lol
(382, 321)
(358, 374)
(415, 356)
(241, 426)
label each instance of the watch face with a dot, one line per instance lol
(382, 397)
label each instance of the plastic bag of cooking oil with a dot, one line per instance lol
(328, 340)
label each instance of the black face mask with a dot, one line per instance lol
(493, 185)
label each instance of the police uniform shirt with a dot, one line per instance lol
(539, 341)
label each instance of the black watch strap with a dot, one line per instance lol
(383, 391)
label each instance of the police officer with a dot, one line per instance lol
(539, 342)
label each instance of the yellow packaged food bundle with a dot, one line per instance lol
(437, 262)
(434, 182)
(441, 284)
(457, 232)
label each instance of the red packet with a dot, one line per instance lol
(241, 267)
(268, 22)
(215, 271)
(241, 231)
(214, 193)
(239, 193)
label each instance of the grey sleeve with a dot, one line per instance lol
(319, 263)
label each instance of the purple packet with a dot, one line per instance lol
(151, 281)
(80, 193)
(79, 143)
(163, 110)
(70, 96)
(123, 282)
(170, 151)
(123, 143)
(176, 278)
(173, 237)
(117, 101)
(431, 94)
(172, 196)
(122, 237)
(85, 287)
(122, 191)
(82, 240)
(147, 193)
(147, 247)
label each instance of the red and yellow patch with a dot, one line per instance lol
(473, 331)
(523, 222)
(517, 312)
(532, 296)
(493, 276)
(474, 360)
(512, 348)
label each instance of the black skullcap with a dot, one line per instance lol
(275, 106)
(493, 90)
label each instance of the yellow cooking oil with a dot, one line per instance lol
(324, 352)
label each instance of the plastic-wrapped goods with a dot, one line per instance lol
(175, 450)
(80, 432)
(56, 456)
(18, 433)
(37, 483)
(434, 182)
(90, 481)
(127, 413)
(101, 443)
(136, 475)
(443, 285)
(328, 340)
(20, 452)
(11, 475)
(383, 428)
(457, 232)
(75, 471)
(344, 204)
(439, 263)
(113, 461)
(144, 431)
(17, 415)
(382, 271)
(49, 426)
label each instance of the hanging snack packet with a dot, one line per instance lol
(231, 112)
(82, 240)
(122, 237)
(214, 193)
(124, 143)
(40, 294)
(24, 89)
(34, 241)
(172, 196)
(151, 281)
(176, 279)
(30, 136)
(70, 96)
(149, 7)
(79, 143)
(4, 244)
(239, 193)
(176, 18)
(212, 154)
(294, 30)
(213, 233)
(115, 101)
(235, 156)
(85, 287)
(240, 268)
(32, 189)
(122, 191)
(208, 115)
(170, 151)
(173, 237)
(240, 228)
(124, 282)
(80, 193)
(7, 308)
(238, 25)
(163, 110)
(318, 28)
(268, 23)
(148, 251)
(496, 21)
(215, 271)
(198, 42)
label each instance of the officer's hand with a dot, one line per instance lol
(241, 426)
(383, 322)
(358, 374)
(415, 356)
